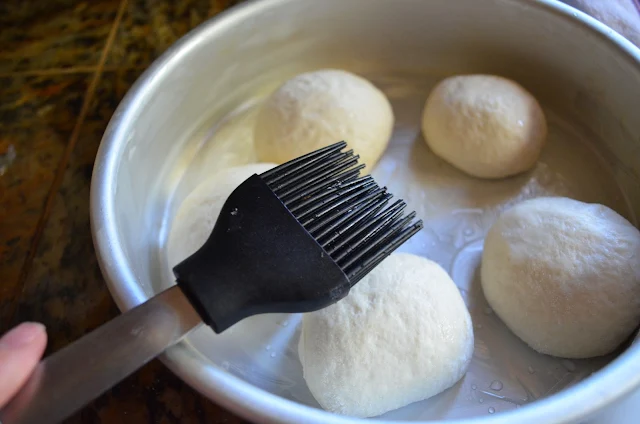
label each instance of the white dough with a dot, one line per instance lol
(564, 276)
(199, 212)
(403, 334)
(621, 15)
(486, 126)
(316, 109)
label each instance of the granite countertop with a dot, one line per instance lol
(64, 67)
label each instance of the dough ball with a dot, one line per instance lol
(621, 15)
(199, 212)
(486, 126)
(564, 276)
(403, 334)
(316, 109)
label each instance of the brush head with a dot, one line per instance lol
(350, 216)
(294, 239)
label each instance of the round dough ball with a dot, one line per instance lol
(199, 212)
(403, 334)
(486, 126)
(564, 276)
(316, 109)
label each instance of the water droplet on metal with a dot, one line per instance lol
(268, 347)
(474, 387)
(468, 232)
(273, 354)
(492, 410)
(568, 365)
(496, 385)
(531, 370)
(481, 400)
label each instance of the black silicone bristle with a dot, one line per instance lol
(348, 215)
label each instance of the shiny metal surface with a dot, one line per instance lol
(571, 62)
(67, 380)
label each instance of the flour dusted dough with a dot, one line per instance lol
(621, 15)
(199, 211)
(316, 109)
(486, 126)
(564, 276)
(403, 334)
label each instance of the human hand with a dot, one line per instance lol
(20, 351)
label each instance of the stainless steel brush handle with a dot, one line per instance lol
(70, 378)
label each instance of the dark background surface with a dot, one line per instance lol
(64, 67)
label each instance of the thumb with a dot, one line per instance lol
(20, 352)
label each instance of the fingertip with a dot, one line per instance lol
(24, 335)
(20, 351)
(39, 341)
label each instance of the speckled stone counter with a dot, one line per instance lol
(64, 67)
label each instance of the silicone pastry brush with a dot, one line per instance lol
(293, 239)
